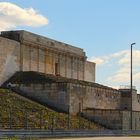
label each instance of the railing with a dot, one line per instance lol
(127, 87)
(64, 133)
(44, 120)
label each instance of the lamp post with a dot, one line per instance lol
(131, 88)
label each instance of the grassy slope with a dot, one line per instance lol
(20, 113)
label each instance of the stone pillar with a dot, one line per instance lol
(77, 68)
(65, 65)
(59, 56)
(125, 120)
(38, 59)
(45, 61)
(21, 57)
(71, 67)
(83, 69)
(30, 58)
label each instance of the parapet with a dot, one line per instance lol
(26, 37)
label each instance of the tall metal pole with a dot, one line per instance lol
(131, 89)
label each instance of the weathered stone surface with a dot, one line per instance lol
(82, 96)
(41, 54)
(90, 71)
(126, 99)
(111, 119)
(9, 58)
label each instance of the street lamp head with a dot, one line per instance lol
(133, 44)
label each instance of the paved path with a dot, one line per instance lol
(99, 138)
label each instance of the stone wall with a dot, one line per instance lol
(45, 55)
(50, 62)
(136, 102)
(9, 58)
(111, 119)
(114, 119)
(126, 100)
(53, 57)
(71, 95)
(90, 71)
(77, 96)
(127, 120)
(52, 94)
(44, 41)
(82, 97)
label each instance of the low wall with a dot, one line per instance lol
(53, 95)
(97, 96)
(127, 120)
(114, 119)
(70, 94)
(111, 119)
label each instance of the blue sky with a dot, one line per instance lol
(103, 28)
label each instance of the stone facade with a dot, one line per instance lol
(54, 95)
(71, 87)
(114, 119)
(96, 96)
(78, 97)
(126, 99)
(90, 71)
(9, 58)
(41, 54)
(111, 119)
(73, 96)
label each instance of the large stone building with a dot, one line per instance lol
(59, 75)
(25, 51)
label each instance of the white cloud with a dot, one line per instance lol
(119, 67)
(119, 54)
(126, 59)
(137, 76)
(12, 16)
(99, 60)
(122, 73)
(119, 77)
(105, 59)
